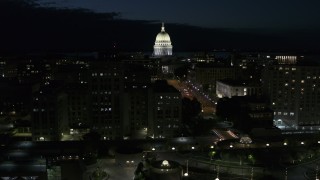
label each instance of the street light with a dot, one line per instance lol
(217, 173)
(286, 176)
(173, 148)
(187, 173)
(251, 173)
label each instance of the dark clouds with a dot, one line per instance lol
(29, 27)
(211, 13)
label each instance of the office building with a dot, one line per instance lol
(294, 94)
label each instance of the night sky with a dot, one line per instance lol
(94, 25)
(209, 13)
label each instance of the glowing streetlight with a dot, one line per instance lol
(187, 172)
(217, 173)
(173, 148)
(286, 176)
(251, 173)
(153, 149)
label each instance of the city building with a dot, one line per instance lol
(229, 88)
(207, 74)
(49, 119)
(166, 118)
(79, 110)
(106, 88)
(23, 168)
(162, 46)
(246, 112)
(294, 94)
(70, 71)
(137, 108)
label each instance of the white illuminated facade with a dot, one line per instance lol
(286, 59)
(229, 88)
(162, 46)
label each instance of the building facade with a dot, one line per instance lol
(229, 88)
(166, 118)
(207, 75)
(294, 94)
(49, 113)
(106, 89)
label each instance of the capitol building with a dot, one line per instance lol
(162, 45)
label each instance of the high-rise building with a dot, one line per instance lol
(78, 108)
(137, 107)
(106, 87)
(49, 114)
(166, 118)
(294, 94)
(162, 46)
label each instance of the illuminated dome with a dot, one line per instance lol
(162, 45)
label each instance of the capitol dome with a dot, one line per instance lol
(162, 45)
(163, 37)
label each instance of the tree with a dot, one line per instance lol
(252, 158)
(211, 154)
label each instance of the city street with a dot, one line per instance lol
(190, 91)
